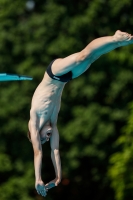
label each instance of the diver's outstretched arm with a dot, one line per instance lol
(37, 148)
(55, 156)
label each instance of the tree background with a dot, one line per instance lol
(95, 121)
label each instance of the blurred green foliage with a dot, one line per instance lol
(96, 148)
(120, 170)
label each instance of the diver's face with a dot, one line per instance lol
(45, 134)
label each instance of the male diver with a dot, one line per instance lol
(46, 100)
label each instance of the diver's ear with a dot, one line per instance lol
(29, 136)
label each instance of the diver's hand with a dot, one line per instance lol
(40, 188)
(52, 183)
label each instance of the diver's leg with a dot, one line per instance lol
(103, 45)
(90, 53)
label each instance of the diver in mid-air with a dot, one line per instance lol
(47, 98)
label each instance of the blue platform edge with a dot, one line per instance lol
(13, 77)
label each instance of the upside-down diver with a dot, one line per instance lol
(46, 100)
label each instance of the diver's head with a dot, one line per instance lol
(45, 133)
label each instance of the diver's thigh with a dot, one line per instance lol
(64, 65)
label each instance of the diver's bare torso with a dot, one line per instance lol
(47, 96)
(46, 101)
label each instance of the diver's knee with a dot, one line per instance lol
(83, 56)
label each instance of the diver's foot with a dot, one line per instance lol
(123, 38)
